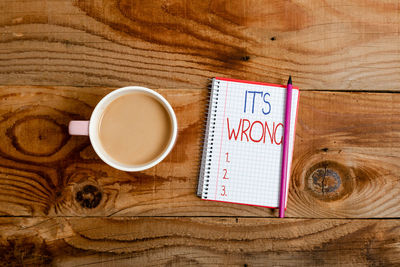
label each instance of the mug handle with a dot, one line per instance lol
(78, 128)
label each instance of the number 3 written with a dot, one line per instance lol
(223, 191)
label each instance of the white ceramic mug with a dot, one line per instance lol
(91, 128)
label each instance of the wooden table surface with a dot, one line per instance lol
(61, 205)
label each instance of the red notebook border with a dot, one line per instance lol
(297, 109)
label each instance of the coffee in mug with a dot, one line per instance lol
(135, 128)
(131, 129)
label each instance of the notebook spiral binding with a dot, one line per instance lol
(205, 167)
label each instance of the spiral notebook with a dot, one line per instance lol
(242, 153)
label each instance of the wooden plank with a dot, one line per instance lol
(346, 159)
(343, 45)
(346, 156)
(199, 242)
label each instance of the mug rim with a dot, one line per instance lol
(96, 115)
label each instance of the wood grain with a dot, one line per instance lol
(199, 242)
(58, 58)
(340, 45)
(346, 159)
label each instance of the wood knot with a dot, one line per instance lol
(329, 181)
(39, 136)
(24, 250)
(82, 193)
(89, 196)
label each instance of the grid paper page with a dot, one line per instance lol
(245, 143)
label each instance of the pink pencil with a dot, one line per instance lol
(282, 199)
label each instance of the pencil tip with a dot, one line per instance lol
(290, 80)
